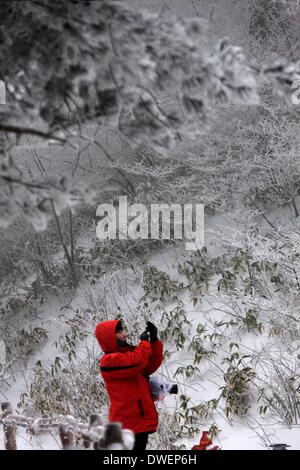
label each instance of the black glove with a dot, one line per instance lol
(144, 336)
(152, 330)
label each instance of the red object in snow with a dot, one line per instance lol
(205, 443)
(125, 371)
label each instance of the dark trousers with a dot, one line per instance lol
(141, 440)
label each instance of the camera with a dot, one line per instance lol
(160, 389)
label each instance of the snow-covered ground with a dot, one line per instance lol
(124, 288)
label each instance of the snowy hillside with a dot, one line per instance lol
(216, 341)
(118, 119)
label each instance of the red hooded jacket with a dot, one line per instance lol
(125, 371)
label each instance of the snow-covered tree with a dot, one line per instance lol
(68, 63)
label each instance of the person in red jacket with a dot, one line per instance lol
(125, 370)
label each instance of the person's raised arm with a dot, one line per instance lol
(156, 357)
(127, 364)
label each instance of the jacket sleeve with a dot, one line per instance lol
(123, 365)
(155, 358)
